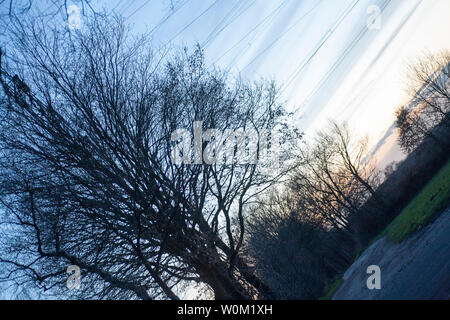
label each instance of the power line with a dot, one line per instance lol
(282, 35)
(125, 7)
(143, 5)
(253, 38)
(118, 3)
(214, 32)
(162, 21)
(256, 27)
(341, 58)
(320, 44)
(368, 86)
(193, 21)
(250, 43)
(224, 27)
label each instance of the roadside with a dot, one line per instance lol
(416, 268)
(413, 257)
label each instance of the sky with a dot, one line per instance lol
(328, 63)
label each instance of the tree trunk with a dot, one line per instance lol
(225, 287)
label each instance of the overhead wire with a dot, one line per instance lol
(172, 12)
(319, 45)
(234, 13)
(118, 3)
(341, 58)
(253, 29)
(193, 21)
(282, 35)
(139, 8)
(125, 7)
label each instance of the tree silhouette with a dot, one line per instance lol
(87, 173)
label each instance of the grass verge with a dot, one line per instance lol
(425, 206)
(332, 289)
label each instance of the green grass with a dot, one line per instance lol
(425, 206)
(430, 201)
(332, 289)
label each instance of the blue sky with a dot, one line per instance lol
(321, 53)
(329, 64)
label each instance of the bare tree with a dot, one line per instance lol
(294, 256)
(390, 168)
(429, 88)
(304, 235)
(88, 176)
(335, 178)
